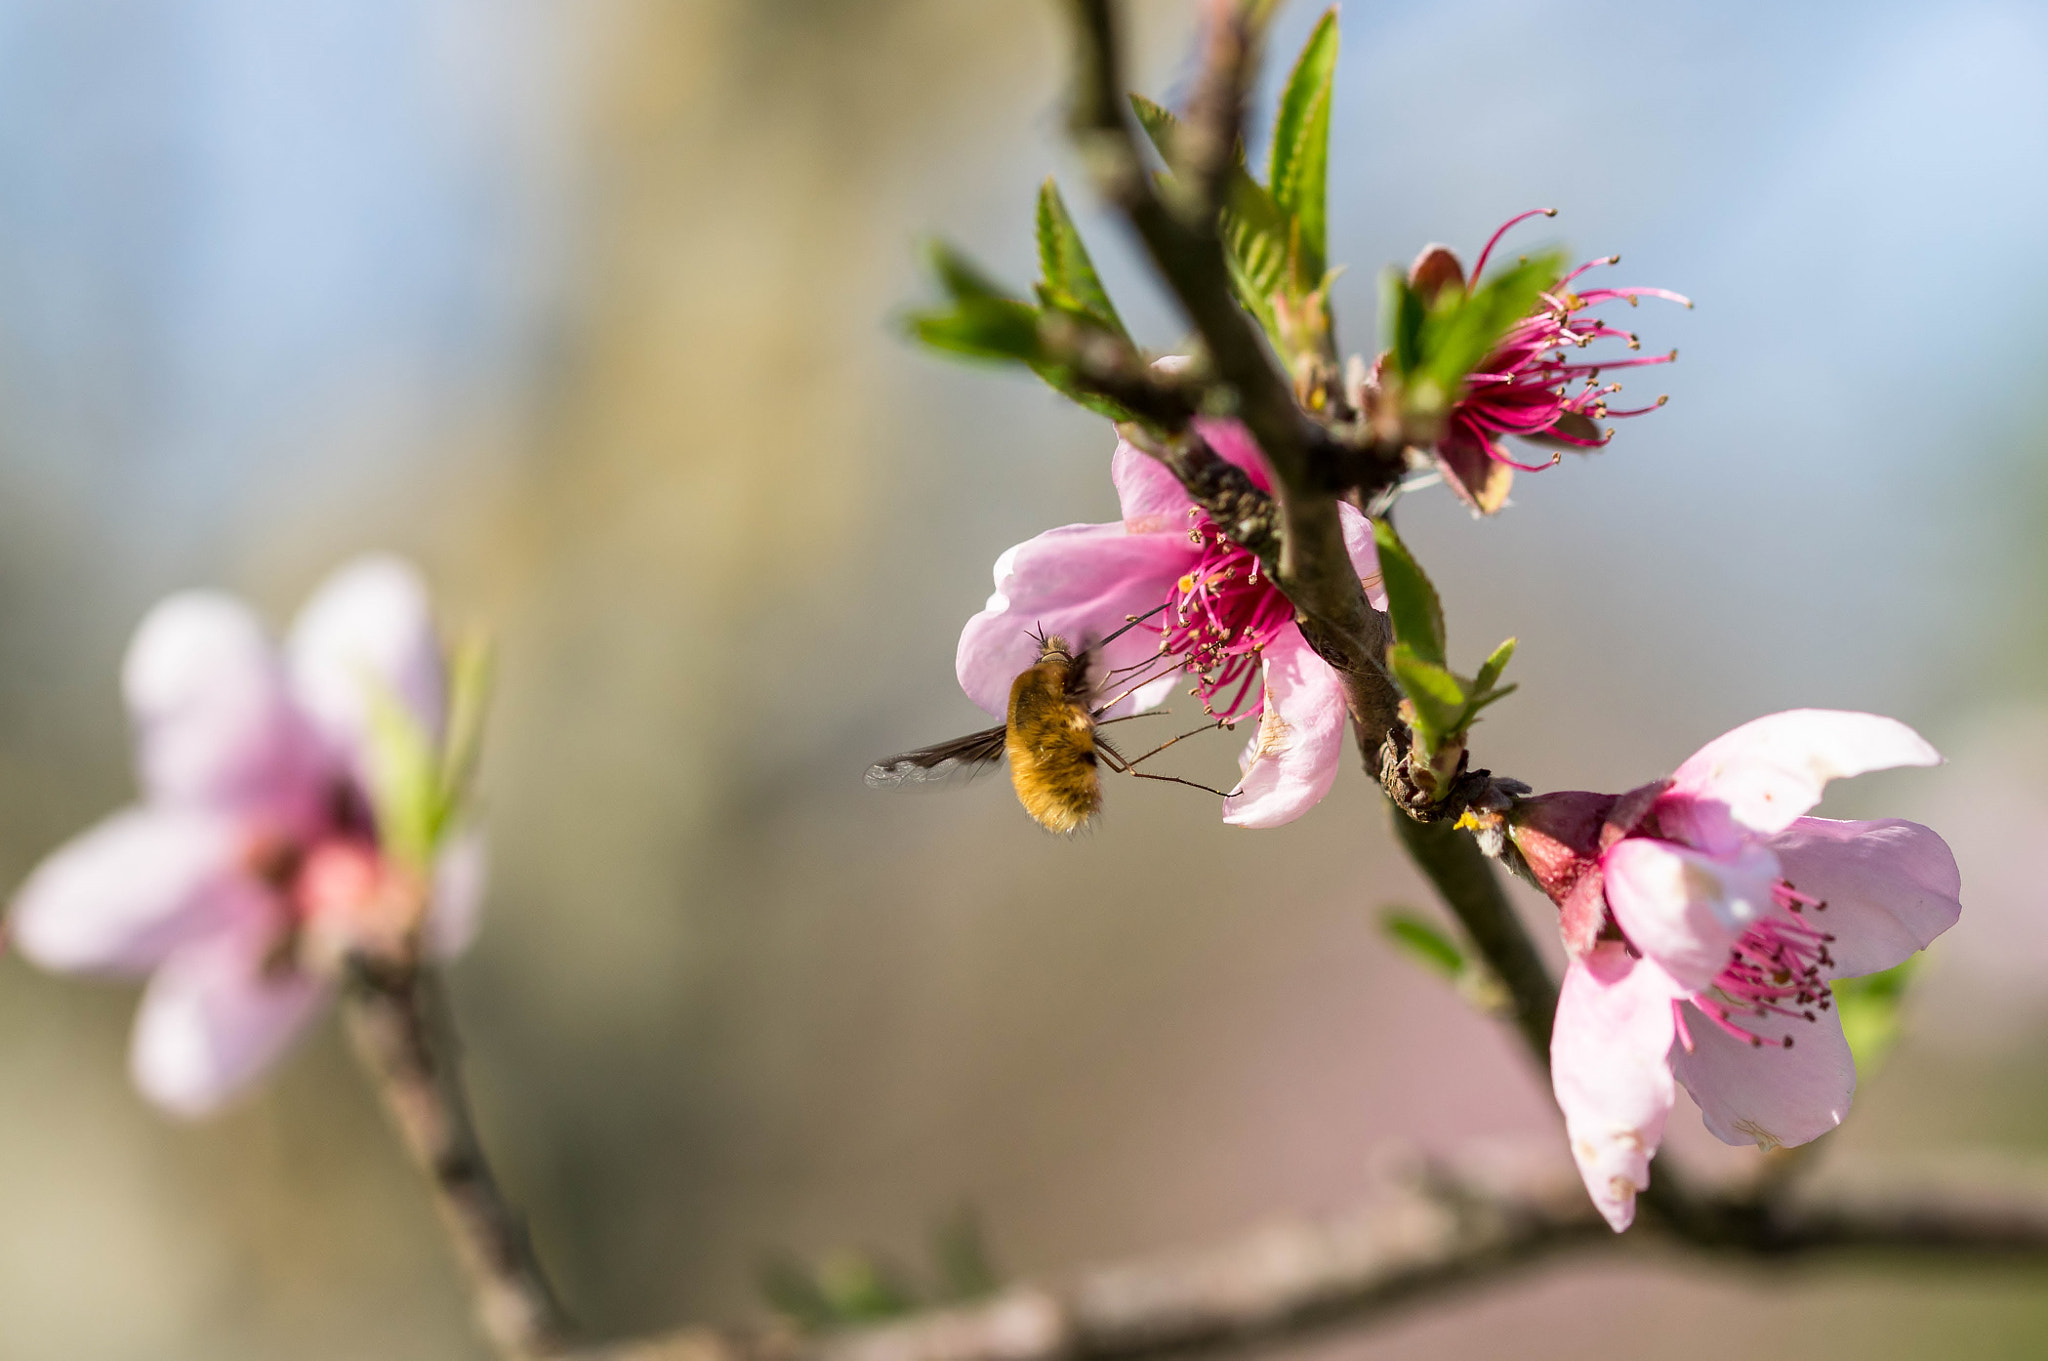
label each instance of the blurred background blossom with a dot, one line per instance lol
(586, 306)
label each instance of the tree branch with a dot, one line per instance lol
(1451, 1230)
(1185, 246)
(392, 1014)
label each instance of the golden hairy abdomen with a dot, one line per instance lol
(1051, 746)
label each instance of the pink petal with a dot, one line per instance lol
(1292, 761)
(368, 629)
(1772, 769)
(1365, 555)
(1152, 499)
(1081, 582)
(123, 895)
(1767, 1095)
(1686, 908)
(1890, 887)
(214, 1017)
(1610, 1068)
(215, 724)
(460, 873)
(1234, 443)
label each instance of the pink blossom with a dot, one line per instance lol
(1227, 628)
(252, 862)
(1704, 916)
(1530, 387)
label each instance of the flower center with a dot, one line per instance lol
(1219, 618)
(1775, 969)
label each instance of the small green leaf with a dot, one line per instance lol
(1301, 148)
(1412, 604)
(1490, 672)
(1869, 1008)
(1462, 329)
(1402, 312)
(1069, 273)
(966, 1270)
(860, 1289)
(981, 328)
(1159, 124)
(791, 1292)
(469, 694)
(1423, 943)
(404, 778)
(1438, 696)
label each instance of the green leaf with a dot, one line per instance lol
(1869, 1008)
(966, 1271)
(1438, 696)
(1299, 173)
(860, 1289)
(1412, 604)
(404, 778)
(1490, 672)
(792, 1293)
(981, 328)
(1069, 273)
(1423, 943)
(1402, 313)
(1257, 235)
(469, 694)
(1159, 124)
(1461, 329)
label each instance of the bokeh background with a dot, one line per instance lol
(587, 305)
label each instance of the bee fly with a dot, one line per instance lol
(1050, 737)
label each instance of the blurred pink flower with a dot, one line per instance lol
(1226, 625)
(1528, 387)
(1704, 916)
(253, 857)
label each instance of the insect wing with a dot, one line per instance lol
(961, 756)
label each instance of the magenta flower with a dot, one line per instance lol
(252, 863)
(1530, 386)
(1228, 629)
(1704, 916)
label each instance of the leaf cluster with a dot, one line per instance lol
(1276, 235)
(1440, 706)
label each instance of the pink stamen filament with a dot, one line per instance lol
(1223, 614)
(1776, 968)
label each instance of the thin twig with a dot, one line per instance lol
(392, 1013)
(1314, 568)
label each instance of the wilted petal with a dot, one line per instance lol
(1772, 769)
(1292, 761)
(120, 897)
(367, 634)
(1686, 908)
(1767, 1095)
(460, 873)
(214, 721)
(1480, 480)
(1082, 582)
(214, 1017)
(1890, 887)
(1610, 1067)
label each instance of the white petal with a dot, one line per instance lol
(1767, 1095)
(1772, 769)
(460, 875)
(1610, 1067)
(122, 895)
(215, 1016)
(1686, 908)
(368, 631)
(214, 720)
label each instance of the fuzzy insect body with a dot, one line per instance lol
(1050, 740)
